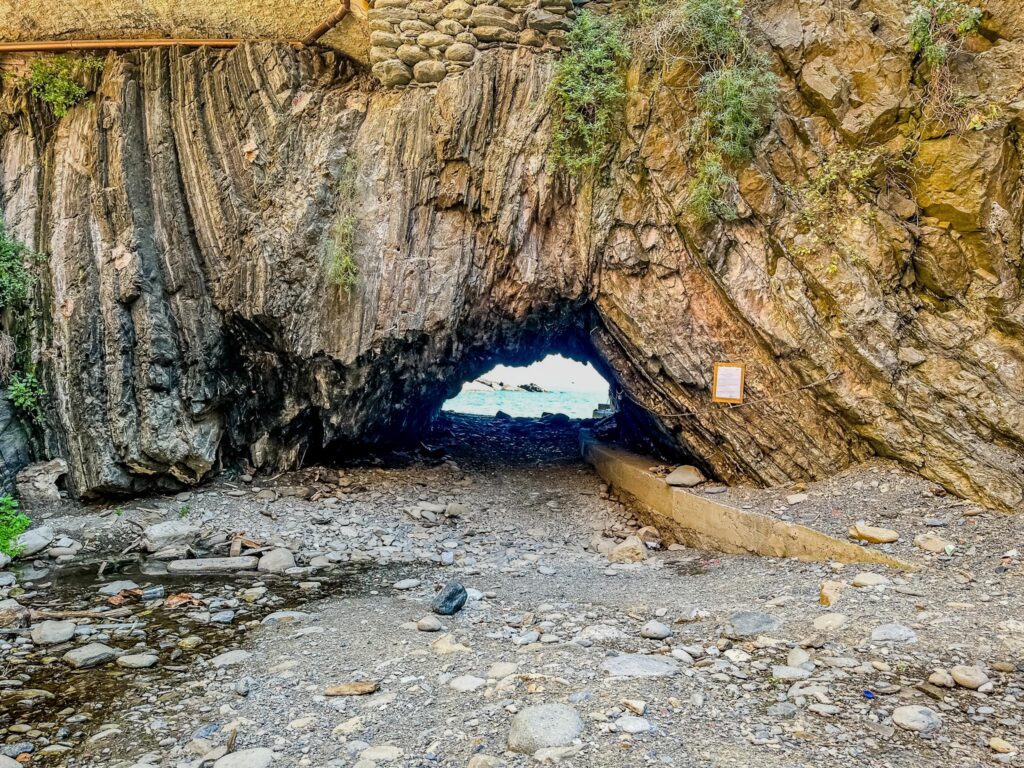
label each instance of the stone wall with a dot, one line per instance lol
(423, 41)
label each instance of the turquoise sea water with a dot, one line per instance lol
(578, 405)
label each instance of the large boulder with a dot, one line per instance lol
(544, 726)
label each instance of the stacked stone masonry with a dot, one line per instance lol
(424, 41)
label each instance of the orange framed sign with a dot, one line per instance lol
(727, 386)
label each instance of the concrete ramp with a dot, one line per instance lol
(703, 524)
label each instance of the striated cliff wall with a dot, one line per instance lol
(186, 211)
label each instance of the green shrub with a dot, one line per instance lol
(938, 28)
(709, 191)
(588, 92)
(736, 104)
(341, 264)
(16, 277)
(28, 395)
(57, 80)
(12, 524)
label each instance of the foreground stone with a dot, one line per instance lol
(91, 655)
(544, 726)
(450, 600)
(872, 534)
(749, 623)
(247, 758)
(53, 632)
(685, 476)
(213, 565)
(917, 718)
(639, 665)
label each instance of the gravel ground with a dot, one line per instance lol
(508, 509)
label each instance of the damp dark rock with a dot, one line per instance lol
(450, 600)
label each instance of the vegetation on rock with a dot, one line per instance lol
(588, 92)
(938, 29)
(57, 80)
(734, 92)
(27, 394)
(341, 264)
(13, 523)
(16, 277)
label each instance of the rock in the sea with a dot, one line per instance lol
(639, 665)
(277, 561)
(544, 726)
(246, 758)
(749, 623)
(91, 655)
(685, 476)
(917, 718)
(450, 600)
(53, 632)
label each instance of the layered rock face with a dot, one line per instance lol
(189, 317)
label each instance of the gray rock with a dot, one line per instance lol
(91, 655)
(749, 623)
(35, 540)
(893, 633)
(277, 561)
(230, 658)
(638, 665)
(429, 624)
(213, 565)
(53, 632)
(543, 726)
(9, 762)
(405, 584)
(787, 673)
(631, 724)
(917, 718)
(170, 533)
(450, 600)
(655, 630)
(138, 661)
(261, 757)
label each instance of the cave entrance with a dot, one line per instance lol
(553, 385)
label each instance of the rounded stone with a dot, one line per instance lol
(53, 632)
(544, 726)
(969, 677)
(434, 39)
(392, 73)
(429, 624)
(411, 55)
(463, 53)
(277, 561)
(138, 661)
(655, 630)
(917, 718)
(430, 72)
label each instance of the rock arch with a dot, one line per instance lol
(186, 211)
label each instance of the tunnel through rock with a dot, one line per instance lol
(290, 412)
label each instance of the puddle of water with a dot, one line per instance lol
(43, 700)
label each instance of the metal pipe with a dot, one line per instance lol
(29, 46)
(329, 24)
